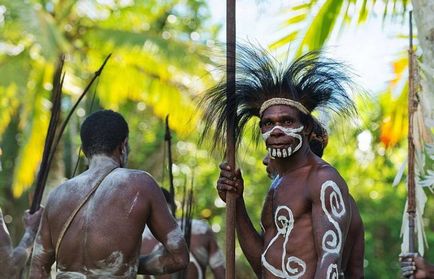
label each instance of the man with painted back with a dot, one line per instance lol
(92, 223)
(306, 214)
(204, 249)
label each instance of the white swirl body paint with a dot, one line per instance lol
(197, 266)
(332, 239)
(332, 272)
(284, 221)
(284, 152)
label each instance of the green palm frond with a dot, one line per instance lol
(310, 23)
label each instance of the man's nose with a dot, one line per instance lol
(277, 131)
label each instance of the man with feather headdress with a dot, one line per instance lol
(307, 212)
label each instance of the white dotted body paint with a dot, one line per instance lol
(284, 221)
(332, 239)
(175, 238)
(284, 152)
(199, 227)
(332, 272)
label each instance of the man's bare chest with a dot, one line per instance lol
(289, 199)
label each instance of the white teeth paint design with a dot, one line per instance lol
(274, 152)
(292, 132)
(284, 153)
(279, 154)
(270, 153)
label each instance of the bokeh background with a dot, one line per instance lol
(164, 55)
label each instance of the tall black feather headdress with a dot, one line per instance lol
(313, 81)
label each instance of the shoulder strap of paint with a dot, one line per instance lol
(76, 210)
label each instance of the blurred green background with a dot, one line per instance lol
(164, 54)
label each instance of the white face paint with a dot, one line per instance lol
(291, 267)
(332, 239)
(284, 152)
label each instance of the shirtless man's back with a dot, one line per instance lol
(102, 239)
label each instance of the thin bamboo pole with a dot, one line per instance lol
(230, 149)
(412, 106)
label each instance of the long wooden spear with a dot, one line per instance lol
(168, 139)
(412, 106)
(56, 96)
(53, 138)
(230, 133)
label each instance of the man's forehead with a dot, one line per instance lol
(276, 111)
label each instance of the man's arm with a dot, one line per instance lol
(216, 259)
(173, 255)
(330, 220)
(250, 240)
(414, 264)
(43, 251)
(22, 251)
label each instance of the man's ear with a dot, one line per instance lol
(124, 145)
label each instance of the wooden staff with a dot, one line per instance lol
(230, 133)
(56, 96)
(168, 139)
(412, 106)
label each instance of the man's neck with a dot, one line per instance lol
(102, 161)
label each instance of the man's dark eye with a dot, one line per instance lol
(287, 122)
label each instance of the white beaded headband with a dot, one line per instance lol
(283, 101)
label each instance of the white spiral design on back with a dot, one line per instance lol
(332, 272)
(291, 267)
(332, 239)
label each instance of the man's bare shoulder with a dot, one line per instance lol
(323, 174)
(139, 179)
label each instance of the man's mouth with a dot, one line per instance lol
(279, 152)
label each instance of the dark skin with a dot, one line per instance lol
(303, 191)
(104, 239)
(354, 248)
(13, 260)
(414, 264)
(203, 247)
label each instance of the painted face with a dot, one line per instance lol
(282, 131)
